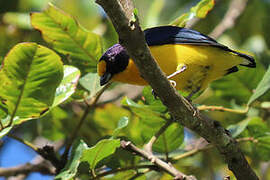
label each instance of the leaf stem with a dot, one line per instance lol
(221, 108)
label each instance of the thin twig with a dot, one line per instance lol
(113, 171)
(220, 108)
(158, 162)
(37, 165)
(235, 9)
(209, 146)
(25, 169)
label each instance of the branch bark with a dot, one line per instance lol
(132, 38)
(161, 164)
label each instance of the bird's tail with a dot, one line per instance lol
(248, 59)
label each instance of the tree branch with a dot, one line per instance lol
(148, 146)
(161, 164)
(26, 169)
(132, 38)
(236, 8)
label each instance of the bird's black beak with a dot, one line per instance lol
(105, 78)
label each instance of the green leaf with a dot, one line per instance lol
(263, 147)
(199, 11)
(240, 82)
(123, 122)
(91, 82)
(262, 88)
(102, 149)
(140, 110)
(154, 104)
(170, 140)
(29, 78)
(237, 129)
(202, 8)
(257, 127)
(67, 86)
(53, 125)
(72, 165)
(69, 38)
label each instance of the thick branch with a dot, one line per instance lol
(132, 38)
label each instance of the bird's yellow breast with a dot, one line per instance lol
(203, 65)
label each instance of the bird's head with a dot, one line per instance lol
(113, 61)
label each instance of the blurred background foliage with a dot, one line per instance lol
(250, 34)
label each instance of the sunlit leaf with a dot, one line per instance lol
(123, 122)
(71, 167)
(29, 78)
(102, 149)
(67, 86)
(69, 38)
(262, 88)
(91, 82)
(199, 11)
(202, 8)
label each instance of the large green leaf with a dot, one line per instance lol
(102, 149)
(262, 88)
(29, 77)
(69, 38)
(72, 165)
(68, 85)
(199, 11)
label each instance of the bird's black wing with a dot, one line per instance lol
(175, 35)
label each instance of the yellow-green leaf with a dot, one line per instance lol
(67, 37)
(29, 76)
(199, 11)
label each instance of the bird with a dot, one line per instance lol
(190, 59)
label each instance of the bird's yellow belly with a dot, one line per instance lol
(203, 65)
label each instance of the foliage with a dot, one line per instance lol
(48, 74)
